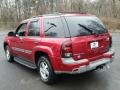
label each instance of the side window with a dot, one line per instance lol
(21, 30)
(53, 28)
(34, 29)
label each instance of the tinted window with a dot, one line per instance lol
(85, 25)
(34, 29)
(53, 27)
(21, 30)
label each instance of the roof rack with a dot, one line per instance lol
(50, 14)
(74, 12)
(58, 13)
(36, 16)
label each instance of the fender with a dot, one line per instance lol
(9, 44)
(50, 53)
(7, 40)
(44, 49)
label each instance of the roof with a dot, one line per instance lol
(57, 15)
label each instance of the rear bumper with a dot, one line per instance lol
(85, 65)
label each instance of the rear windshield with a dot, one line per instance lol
(85, 25)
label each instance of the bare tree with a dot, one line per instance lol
(17, 10)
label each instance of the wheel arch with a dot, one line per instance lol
(5, 44)
(41, 53)
(38, 54)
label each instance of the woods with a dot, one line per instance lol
(13, 11)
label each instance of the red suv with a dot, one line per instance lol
(60, 43)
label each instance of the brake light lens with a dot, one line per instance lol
(67, 49)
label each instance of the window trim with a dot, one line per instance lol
(53, 18)
(37, 20)
(18, 28)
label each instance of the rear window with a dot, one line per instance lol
(53, 28)
(84, 25)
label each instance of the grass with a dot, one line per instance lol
(8, 25)
(111, 23)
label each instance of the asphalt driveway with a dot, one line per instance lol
(14, 76)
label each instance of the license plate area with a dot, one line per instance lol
(94, 45)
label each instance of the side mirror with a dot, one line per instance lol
(11, 34)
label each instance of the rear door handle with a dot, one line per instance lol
(21, 41)
(36, 42)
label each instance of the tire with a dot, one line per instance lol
(45, 70)
(9, 57)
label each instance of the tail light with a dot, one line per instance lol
(67, 49)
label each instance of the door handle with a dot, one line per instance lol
(21, 41)
(36, 42)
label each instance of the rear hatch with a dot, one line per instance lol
(89, 46)
(89, 37)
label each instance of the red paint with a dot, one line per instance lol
(53, 47)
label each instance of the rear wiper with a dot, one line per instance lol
(52, 25)
(89, 30)
(99, 25)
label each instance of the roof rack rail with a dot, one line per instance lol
(58, 13)
(75, 12)
(36, 16)
(54, 13)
